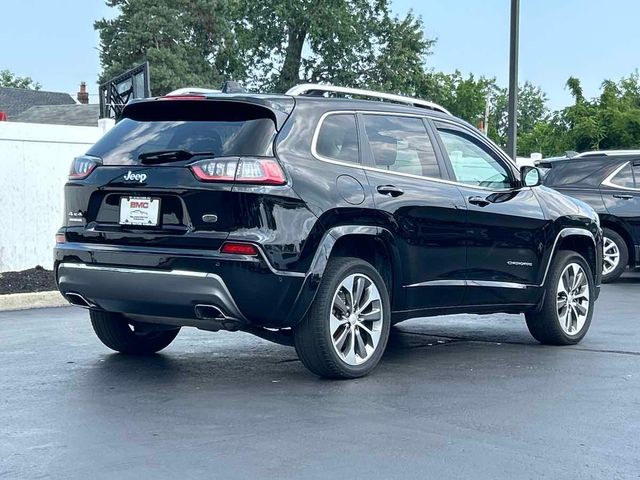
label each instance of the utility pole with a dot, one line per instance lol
(512, 134)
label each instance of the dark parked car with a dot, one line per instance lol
(315, 222)
(610, 183)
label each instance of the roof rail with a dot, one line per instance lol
(607, 153)
(314, 89)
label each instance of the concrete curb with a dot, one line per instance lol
(24, 301)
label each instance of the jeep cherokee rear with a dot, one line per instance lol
(316, 222)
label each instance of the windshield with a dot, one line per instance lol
(125, 142)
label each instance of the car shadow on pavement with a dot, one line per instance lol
(252, 363)
(628, 278)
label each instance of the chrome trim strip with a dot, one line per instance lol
(102, 268)
(469, 283)
(322, 158)
(313, 87)
(176, 251)
(495, 284)
(439, 283)
(608, 182)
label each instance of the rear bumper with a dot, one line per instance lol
(173, 293)
(153, 282)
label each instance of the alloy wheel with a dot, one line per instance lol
(573, 299)
(356, 319)
(611, 256)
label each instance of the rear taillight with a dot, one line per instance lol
(61, 238)
(81, 167)
(216, 170)
(260, 171)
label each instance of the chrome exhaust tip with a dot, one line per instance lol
(78, 300)
(209, 312)
(215, 319)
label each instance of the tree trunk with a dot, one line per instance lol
(290, 72)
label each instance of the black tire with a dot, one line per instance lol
(544, 325)
(312, 337)
(624, 256)
(114, 331)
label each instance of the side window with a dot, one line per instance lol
(636, 174)
(401, 144)
(471, 163)
(624, 178)
(338, 138)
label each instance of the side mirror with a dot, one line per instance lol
(530, 176)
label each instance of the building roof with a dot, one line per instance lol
(14, 101)
(77, 114)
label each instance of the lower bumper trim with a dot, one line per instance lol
(168, 293)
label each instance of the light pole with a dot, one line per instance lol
(512, 134)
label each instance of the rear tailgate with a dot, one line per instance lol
(126, 202)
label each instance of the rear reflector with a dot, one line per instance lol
(259, 171)
(60, 238)
(239, 248)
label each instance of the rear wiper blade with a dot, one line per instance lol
(166, 156)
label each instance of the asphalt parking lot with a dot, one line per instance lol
(454, 397)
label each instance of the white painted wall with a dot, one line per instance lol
(34, 164)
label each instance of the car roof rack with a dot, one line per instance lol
(607, 153)
(314, 89)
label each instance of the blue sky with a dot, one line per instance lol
(55, 44)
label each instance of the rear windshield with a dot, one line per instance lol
(224, 129)
(577, 172)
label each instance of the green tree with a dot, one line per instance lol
(347, 42)
(9, 79)
(610, 121)
(532, 109)
(187, 42)
(464, 97)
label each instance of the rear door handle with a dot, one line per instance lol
(479, 201)
(390, 190)
(623, 196)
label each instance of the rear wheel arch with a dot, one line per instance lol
(373, 249)
(347, 238)
(580, 243)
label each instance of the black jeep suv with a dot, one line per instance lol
(315, 222)
(610, 183)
